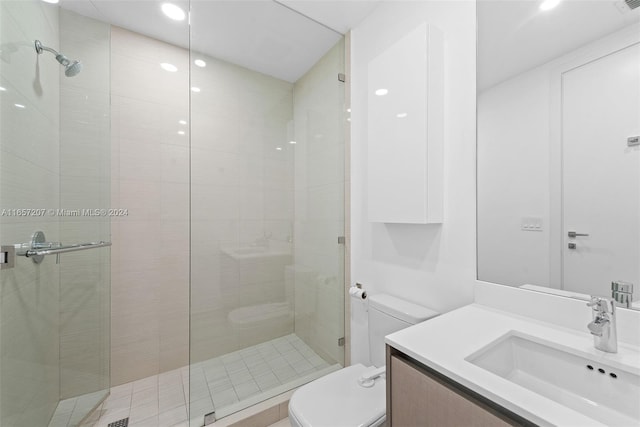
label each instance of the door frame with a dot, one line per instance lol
(608, 45)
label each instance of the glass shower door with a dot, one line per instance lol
(267, 205)
(54, 193)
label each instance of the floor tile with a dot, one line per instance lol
(143, 412)
(247, 389)
(160, 400)
(267, 381)
(172, 417)
(149, 422)
(145, 397)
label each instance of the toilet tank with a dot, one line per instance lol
(388, 314)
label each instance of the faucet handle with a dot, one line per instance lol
(594, 302)
(602, 304)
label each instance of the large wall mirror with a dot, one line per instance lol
(558, 149)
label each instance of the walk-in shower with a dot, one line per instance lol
(210, 153)
(71, 67)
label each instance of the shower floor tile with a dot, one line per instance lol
(226, 384)
(255, 371)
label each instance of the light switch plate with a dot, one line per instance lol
(531, 224)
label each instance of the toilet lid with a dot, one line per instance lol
(338, 400)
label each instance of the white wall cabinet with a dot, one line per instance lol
(406, 130)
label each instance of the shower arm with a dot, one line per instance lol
(63, 60)
(40, 48)
(72, 67)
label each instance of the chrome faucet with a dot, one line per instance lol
(603, 325)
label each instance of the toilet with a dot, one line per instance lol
(356, 395)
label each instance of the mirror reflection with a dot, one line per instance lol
(558, 150)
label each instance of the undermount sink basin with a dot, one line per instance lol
(606, 393)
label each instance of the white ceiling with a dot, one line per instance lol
(515, 36)
(283, 39)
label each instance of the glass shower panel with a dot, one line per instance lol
(85, 193)
(241, 229)
(267, 207)
(318, 270)
(54, 179)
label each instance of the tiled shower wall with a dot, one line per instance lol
(242, 199)
(84, 184)
(29, 168)
(150, 178)
(54, 155)
(241, 196)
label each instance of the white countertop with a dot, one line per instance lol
(444, 342)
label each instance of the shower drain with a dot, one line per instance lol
(120, 423)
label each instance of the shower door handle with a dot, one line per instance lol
(38, 248)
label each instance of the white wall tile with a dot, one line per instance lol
(150, 263)
(29, 168)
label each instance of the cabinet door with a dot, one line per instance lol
(420, 400)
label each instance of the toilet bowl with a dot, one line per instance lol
(337, 400)
(356, 396)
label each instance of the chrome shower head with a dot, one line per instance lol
(71, 68)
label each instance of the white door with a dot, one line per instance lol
(601, 173)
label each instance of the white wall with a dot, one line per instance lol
(513, 179)
(433, 265)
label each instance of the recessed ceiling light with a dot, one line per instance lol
(382, 92)
(173, 11)
(200, 63)
(195, 89)
(549, 4)
(180, 132)
(401, 115)
(19, 106)
(51, 1)
(3, 89)
(168, 67)
(279, 148)
(292, 142)
(183, 122)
